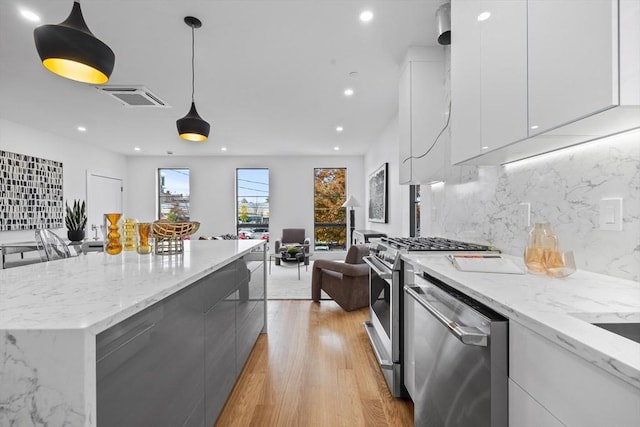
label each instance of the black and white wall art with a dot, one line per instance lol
(378, 195)
(31, 194)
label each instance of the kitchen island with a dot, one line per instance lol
(61, 323)
(563, 369)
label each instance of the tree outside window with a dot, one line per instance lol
(252, 203)
(173, 195)
(330, 192)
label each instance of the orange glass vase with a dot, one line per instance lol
(144, 247)
(113, 246)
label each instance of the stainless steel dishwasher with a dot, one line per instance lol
(460, 354)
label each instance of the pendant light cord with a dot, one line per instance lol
(193, 65)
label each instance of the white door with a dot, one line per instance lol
(104, 195)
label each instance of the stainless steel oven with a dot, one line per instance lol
(385, 327)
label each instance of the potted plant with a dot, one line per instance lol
(76, 220)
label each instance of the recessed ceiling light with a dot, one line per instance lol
(484, 16)
(366, 16)
(29, 15)
(336, 148)
(339, 129)
(136, 148)
(485, 148)
(223, 148)
(348, 92)
(82, 128)
(535, 127)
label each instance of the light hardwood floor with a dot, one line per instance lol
(315, 367)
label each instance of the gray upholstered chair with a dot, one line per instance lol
(346, 282)
(293, 236)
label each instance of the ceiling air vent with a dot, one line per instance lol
(133, 96)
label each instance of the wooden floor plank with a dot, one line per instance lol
(315, 367)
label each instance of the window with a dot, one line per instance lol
(173, 194)
(414, 210)
(252, 203)
(329, 217)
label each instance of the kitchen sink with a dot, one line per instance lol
(629, 331)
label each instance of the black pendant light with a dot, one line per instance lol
(192, 127)
(70, 50)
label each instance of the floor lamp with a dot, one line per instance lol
(351, 203)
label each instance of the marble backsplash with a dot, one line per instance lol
(564, 188)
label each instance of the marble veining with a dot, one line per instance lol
(50, 314)
(480, 203)
(561, 310)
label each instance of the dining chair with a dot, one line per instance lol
(52, 245)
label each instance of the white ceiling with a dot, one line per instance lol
(269, 74)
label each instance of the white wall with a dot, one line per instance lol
(76, 157)
(213, 188)
(385, 149)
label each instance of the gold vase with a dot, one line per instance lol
(144, 247)
(113, 246)
(129, 241)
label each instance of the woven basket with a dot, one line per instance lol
(169, 236)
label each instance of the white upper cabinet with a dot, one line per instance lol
(573, 60)
(465, 80)
(503, 73)
(550, 74)
(422, 116)
(488, 76)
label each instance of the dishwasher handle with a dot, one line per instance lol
(466, 334)
(386, 274)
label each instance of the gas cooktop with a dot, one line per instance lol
(431, 244)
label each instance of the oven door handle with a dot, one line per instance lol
(466, 334)
(386, 274)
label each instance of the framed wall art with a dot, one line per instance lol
(378, 198)
(30, 192)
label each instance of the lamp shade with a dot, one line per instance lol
(443, 18)
(192, 127)
(70, 50)
(351, 203)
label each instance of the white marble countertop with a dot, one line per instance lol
(558, 309)
(97, 290)
(50, 314)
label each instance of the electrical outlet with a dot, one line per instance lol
(611, 214)
(524, 215)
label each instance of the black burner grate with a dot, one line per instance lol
(432, 244)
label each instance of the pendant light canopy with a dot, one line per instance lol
(69, 49)
(192, 127)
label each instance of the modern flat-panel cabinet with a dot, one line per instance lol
(149, 367)
(550, 386)
(488, 76)
(219, 298)
(532, 76)
(421, 116)
(503, 71)
(176, 362)
(573, 60)
(250, 311)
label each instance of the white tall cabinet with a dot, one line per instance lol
(421, 116)
(531, 76)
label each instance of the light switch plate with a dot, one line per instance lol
(524, 215)
(611, 214)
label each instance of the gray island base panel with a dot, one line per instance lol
(77, 332)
